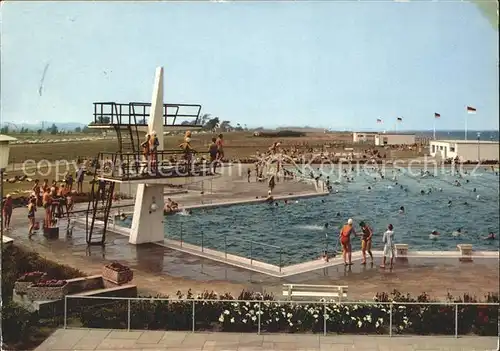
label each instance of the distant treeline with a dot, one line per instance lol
(280, 134)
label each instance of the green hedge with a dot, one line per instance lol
(22, 329)
(291, 317)
(17, 261)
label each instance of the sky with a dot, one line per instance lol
(338, 65)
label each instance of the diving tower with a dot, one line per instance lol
(128, 164)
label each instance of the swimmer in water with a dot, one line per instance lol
(338, 214)
(474, 190)
(326, 225)
(369, 188)
(422, 192)
(449, 203)
(402, 210)
(434, 235)
(491, 236)
(457, 232)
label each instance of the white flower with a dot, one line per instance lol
(221, 318)
(353, 318)
(244, 320)
(381, 320)
(276, 319)
(232, 320)
(360, 324)
(291, 324)
(377, 324)
(254, 318)
(226, 312)
(355, 307)
(327, 317)
(289, 315)
(315, 315)
(400, 327)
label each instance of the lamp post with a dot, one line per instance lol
(478, 148)
(4, 161)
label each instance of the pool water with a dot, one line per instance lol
(294, 232)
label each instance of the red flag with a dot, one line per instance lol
(436, 115)
(471, 109)
(379, 120)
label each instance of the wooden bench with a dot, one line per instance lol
(305, 290)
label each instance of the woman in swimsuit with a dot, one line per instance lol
(366, 241)
(31, 215)
(345, 241)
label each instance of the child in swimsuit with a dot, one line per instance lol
(31, 215)
(220, 147)
(213, 152)
(7, 211)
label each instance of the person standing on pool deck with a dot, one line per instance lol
(345, 241)
(388, 240)
(366, 241)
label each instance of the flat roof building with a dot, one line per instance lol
(364, 137)
(465, 150)
(383, 139)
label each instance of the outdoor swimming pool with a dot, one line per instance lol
(296, 229)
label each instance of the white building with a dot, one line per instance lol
(364, 137)
(382, 139)
(465, 150)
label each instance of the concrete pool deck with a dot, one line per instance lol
(161, 270)
(108, 339)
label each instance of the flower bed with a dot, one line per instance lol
(47, 290)
(292, 317)
(117, 273)
(24, 282)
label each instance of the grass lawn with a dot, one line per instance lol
(238, 145)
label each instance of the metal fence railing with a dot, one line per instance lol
(196, 310)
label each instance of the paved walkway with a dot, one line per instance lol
(103, 339)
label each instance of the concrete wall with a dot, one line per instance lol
(394, 139)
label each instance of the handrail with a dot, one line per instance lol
(259, 303)
(364, 303)
(259, 243)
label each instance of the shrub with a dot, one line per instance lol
(291, 317)
(17, 322)
(16, 262)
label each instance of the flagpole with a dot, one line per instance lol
(434, 129)
(466, 116)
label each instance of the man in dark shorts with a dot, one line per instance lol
(213, 151)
